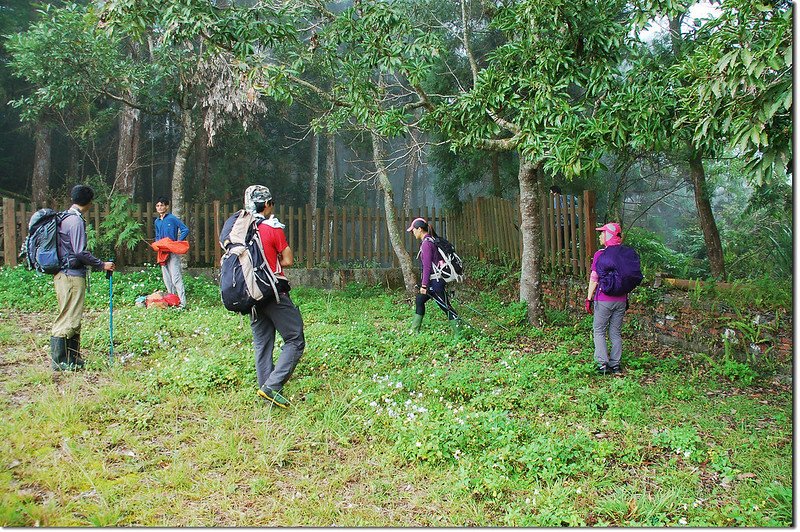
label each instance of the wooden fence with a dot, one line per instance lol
(489, 229)
(357, 236)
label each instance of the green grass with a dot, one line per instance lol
(386, 429)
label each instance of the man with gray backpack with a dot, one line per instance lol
(56, 245)
(252, 282)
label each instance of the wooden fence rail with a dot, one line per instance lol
(357, 236)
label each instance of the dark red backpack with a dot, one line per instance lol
(619, 270)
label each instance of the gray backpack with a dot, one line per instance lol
(245, 277)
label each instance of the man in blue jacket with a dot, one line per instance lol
(167, 225)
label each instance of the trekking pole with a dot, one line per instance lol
(482, 315)
(110, 277)
(451, 310)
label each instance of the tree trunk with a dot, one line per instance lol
(394, 229)
(330, 169)
(702, 199)
(202, 170)
(412, 164)
(675, 34)
(314, 182)
(184, 147)
(312, 187)
(75, 164)
(128, 151)
(40, 183)
(496, 186)
(530, 177)
(423, 181)
(330, 176)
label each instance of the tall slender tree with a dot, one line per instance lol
(40, 183)
(697, 171)
(537, 94)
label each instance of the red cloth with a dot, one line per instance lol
(274, 241)
(165, 246)
(156, 299)
(159, 299)
(172, 300)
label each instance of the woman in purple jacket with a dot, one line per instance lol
(608, 310)
(432, 286)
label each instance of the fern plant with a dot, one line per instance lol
(120, 230)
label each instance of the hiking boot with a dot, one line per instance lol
(58, 353)
(616, 370)
(74, 360)
(602, 369)
(416, 324)
(273, 397)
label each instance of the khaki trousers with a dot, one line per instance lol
(71, 293)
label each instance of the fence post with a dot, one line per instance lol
(217, 249)
(481, 222)
(590, 220)
(9, 232)
(310, 229)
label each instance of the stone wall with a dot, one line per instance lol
(327, 279)
(672, 316)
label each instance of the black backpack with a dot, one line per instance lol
(618, 270)
(245, 277)
(40, 248)
(451, 267)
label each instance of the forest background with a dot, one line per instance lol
(678, 114)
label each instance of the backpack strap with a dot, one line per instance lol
(65, 262)
(440, 271)
(272, 280)
(426, 237)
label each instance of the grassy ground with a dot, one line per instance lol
(507, 428)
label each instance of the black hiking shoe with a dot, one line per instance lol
(616, 370)
(273, 397)
(602, 369)
(74, 360)
(58, 353)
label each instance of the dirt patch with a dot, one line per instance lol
(27, 354)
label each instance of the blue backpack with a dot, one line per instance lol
(618, 270)
(40, 248)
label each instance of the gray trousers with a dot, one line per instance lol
(173, 277)
(284, 317)
(608, 318)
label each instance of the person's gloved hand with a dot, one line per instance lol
(588, 306)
